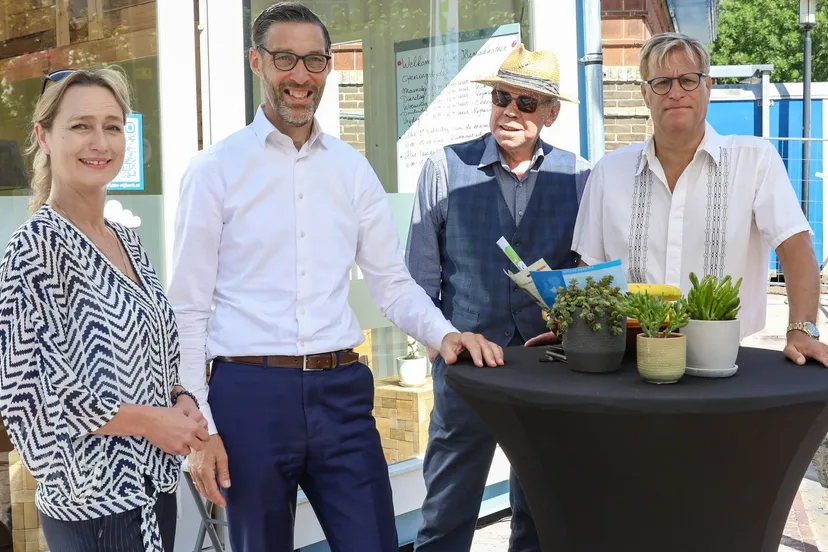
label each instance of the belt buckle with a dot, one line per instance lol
(305, 365)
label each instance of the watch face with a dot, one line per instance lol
(812, 329)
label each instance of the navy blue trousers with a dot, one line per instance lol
(456, 465)
(115, 533)
(284, 427)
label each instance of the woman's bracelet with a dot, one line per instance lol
(184, 392)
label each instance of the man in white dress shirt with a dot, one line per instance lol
(691, 200)
(270, 223)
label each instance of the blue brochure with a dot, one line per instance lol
(548, 281)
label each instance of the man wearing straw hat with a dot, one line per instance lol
(506, 183)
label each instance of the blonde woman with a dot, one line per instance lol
(88, 343)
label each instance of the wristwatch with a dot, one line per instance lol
(807, 327)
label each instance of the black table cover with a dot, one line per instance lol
(611, 463)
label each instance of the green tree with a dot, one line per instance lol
(768, 31)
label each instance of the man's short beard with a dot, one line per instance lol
(288, 115)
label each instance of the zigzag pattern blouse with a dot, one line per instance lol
(78, 338)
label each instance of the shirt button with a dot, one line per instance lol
(301, 196)
(520, 213)
(303, 273)
(517, 243)
(301, 343)
(515, 288)
(516, 311)
(302, 311)
(301, 234)
(507, 333)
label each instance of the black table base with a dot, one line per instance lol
(676, 483)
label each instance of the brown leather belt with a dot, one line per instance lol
(321, 361)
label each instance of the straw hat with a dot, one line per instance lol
(533, 71)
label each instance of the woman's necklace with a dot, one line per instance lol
(125, 268)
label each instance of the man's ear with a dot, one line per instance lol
(644, 94)
(553, 114)
(255, 60)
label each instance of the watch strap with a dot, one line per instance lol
(804, 327)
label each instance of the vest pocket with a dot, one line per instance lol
(463, 317)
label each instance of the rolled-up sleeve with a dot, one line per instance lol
(381, 259)
(776, 208)
(43, 399)
(198, 227)
(422, 253)
(588, 237)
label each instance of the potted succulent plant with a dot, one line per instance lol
(412, 367)
(713, 332)
(591, 324)
(661, 353)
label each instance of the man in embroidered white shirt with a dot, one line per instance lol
(270, 223)
(691, 200)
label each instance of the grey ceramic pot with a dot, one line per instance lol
(590, 351)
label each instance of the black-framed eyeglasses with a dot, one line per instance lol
(688, 81)
(526, 104)
(286, 61)
(55, 76)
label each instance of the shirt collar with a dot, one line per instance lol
(493, 155)
(710, 144)
(263, 128)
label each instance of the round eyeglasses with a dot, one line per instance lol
(688, 81)
(286, 61)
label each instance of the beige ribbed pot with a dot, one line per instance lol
(661, 359)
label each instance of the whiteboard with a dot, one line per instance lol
(437, 104)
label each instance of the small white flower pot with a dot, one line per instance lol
(712, 344)
(412, 372)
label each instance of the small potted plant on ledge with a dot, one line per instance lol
(591, 324)
(661, 352)
(713, 332)
(412, 367)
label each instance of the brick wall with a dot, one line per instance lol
(352, 109)
(627, 24)
(347, 60)
(626, 117)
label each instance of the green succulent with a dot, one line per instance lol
(653, 312)
(713, 299)
(599, 303)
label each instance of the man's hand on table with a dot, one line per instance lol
(542, 339)
(209, 465)
(802, 346)
(479, 348)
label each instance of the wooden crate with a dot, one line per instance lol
(402, 415)
(26, 532)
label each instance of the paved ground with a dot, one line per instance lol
(807, 526)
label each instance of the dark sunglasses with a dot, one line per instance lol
(55, 76)
(526, 104)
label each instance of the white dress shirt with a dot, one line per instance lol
(729, 207)
(268, 235)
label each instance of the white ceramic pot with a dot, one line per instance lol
(412, 372)
(712, 344)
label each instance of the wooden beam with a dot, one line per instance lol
(4, 21)
(94, 14)
(30, 22)
(137, 45)
(62, 23)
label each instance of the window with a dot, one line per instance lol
(40, 36)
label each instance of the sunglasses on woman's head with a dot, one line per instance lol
(55, 76)
(526, 104)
